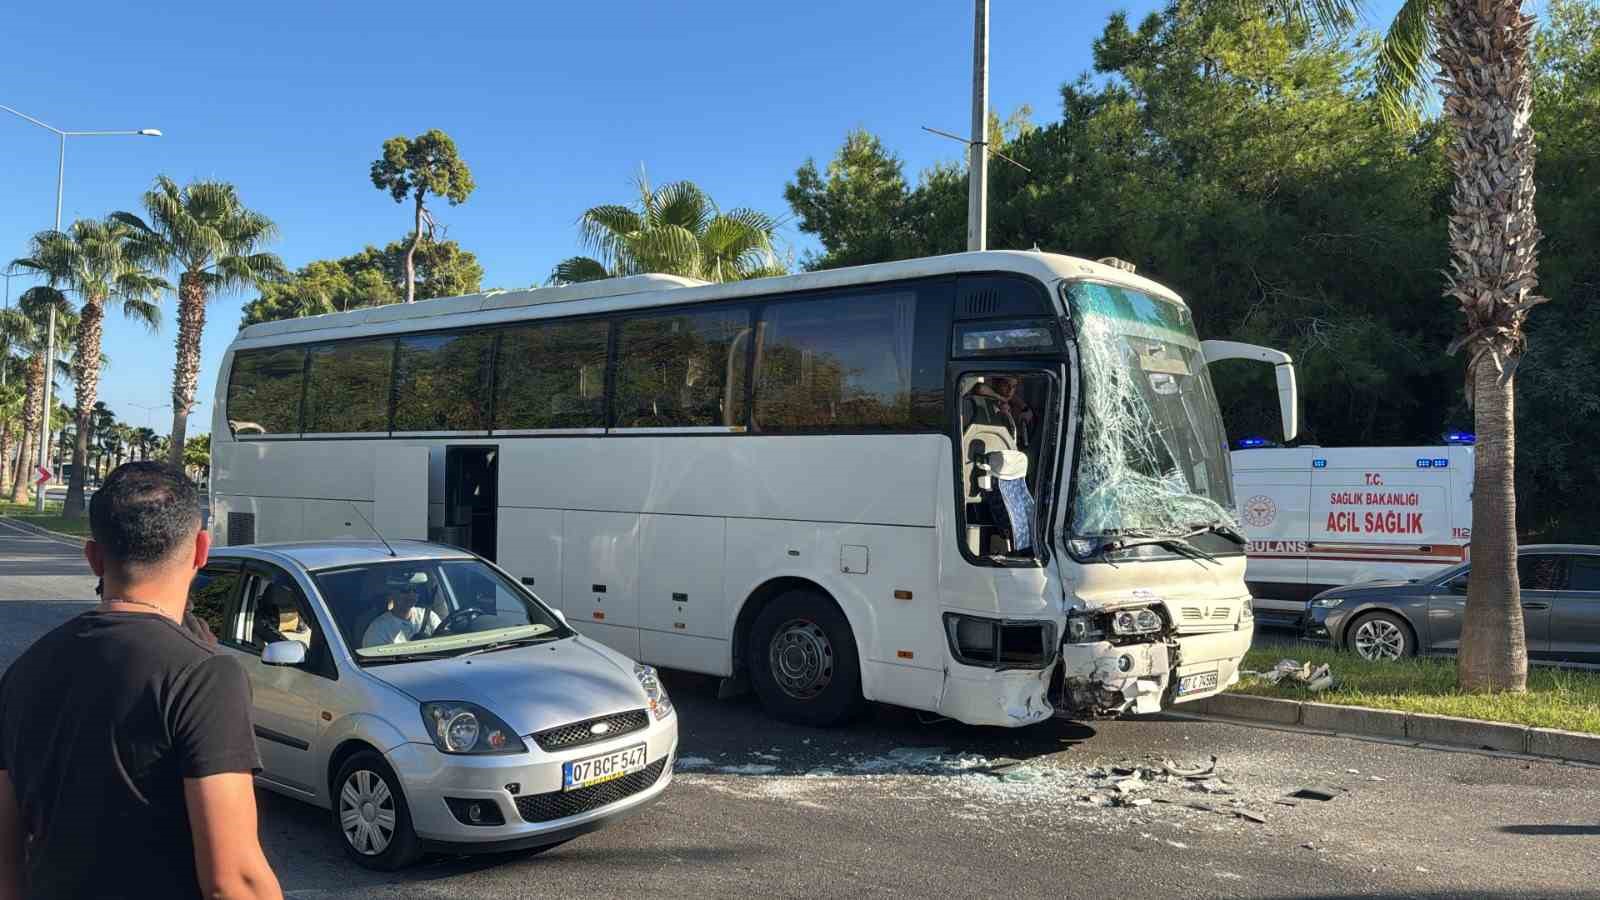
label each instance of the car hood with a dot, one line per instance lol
(1384, 588)
(531, 688)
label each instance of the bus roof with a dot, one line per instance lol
(643, 291)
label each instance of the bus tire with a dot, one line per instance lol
(803, 661)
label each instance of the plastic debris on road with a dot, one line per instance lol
(1314, 678)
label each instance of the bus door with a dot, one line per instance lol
(471, 499)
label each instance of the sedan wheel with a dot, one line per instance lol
(369, 809)
(366, 813)
(1380, 636)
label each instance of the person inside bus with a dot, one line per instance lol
(403, 622)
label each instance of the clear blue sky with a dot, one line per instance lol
(554, 106)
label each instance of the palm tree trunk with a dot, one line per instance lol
(5, 452)
(186, 370)
(86, 373)
(31, 407)
(1488, 99)
(411, 254)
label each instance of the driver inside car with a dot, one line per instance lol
(404, 621)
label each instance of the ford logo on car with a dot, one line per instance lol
(600, 728)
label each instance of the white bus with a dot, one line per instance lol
(992, 486)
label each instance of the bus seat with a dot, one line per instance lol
(1015, 512)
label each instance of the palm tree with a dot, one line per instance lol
(99, 260)
(33, 309)
(675, 229)
(144, 439)
(1482, 49)
(215, 242)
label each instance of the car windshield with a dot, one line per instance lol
(394, 611)
(1154, 459)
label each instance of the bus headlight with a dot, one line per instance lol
(1084, 628)
(1135, 621)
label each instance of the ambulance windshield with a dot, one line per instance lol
(1154, 458)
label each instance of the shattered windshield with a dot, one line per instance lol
(1154, 458)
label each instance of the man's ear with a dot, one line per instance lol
(202, 547)
(96, 555)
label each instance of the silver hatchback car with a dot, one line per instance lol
(431, 702)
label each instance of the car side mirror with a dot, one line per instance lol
(284, 653)
(562, 616)
(1458, 587)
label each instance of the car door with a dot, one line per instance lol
(1575, 614)
(1541, 577)
(288, 699)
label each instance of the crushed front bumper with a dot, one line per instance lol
(1105, 679)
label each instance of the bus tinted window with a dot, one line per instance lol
(442, 382)
(840, 362)
(349, 387)
(682, 370)
(552, 376)
(264, 391)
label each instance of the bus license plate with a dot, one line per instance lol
(581, 773)
(1202, 681)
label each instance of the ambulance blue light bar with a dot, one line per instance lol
(1425, 463)
(1460, 437)
(1319, 464)
(1252, 442)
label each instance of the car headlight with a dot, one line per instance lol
(458, 727)
(660, 703)
(1326, 602)
(1135, 621)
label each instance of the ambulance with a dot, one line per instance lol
(1321, 517)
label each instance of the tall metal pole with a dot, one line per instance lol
(978, 167)
(50, 348)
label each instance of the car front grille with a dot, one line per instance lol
(561, 804)
(577, 734)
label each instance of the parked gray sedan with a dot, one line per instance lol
(429, 701)
(1391, 619)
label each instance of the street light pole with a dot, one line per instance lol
(50, 336)
(978, 166)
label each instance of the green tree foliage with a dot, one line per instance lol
(676, 229)
(1248, 163)
(372, 277)
(415, 168)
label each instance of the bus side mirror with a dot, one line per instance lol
(1283, 368)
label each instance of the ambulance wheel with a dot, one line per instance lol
(1381, 636)
(803, 661)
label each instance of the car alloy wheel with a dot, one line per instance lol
(367, 813)
(1379, 638)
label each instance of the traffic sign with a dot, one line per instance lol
(44, 474)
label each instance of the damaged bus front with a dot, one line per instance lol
(1134, 597)
(1156, 606)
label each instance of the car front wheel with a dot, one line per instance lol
(1381, 636)
(369, 809)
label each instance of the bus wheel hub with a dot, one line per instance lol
(801, 659)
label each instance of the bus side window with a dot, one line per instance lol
(1001, 433)
(671, 370)
(552, 375)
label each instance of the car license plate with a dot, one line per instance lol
(581, 773)
(1201, 681)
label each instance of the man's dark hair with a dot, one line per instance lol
(143, 512)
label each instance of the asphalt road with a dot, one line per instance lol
(895, 807)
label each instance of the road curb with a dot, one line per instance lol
(43, 532)
(1417, 728)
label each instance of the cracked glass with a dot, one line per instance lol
(1154, 457)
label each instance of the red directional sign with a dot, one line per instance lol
(44, 474)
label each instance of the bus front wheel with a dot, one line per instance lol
(803, 661)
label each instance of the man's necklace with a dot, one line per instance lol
(155, 606)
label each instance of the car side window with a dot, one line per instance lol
(1583, 573)
(274, 609)
(1540, 572)
(211, 593)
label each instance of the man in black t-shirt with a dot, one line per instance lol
(126, 749)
